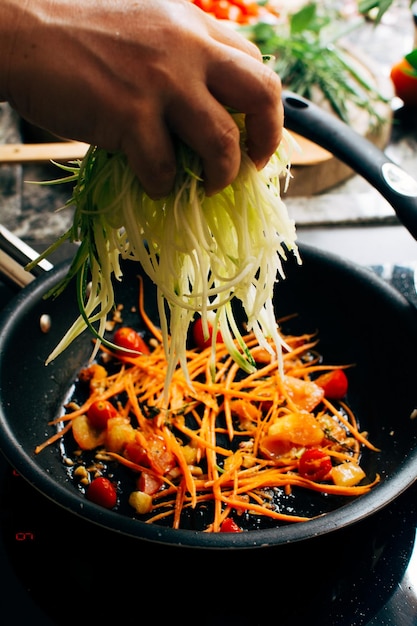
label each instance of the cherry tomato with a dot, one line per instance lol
(334, 384)
(128, 338)
(314, 464)
(100, 412)
(248, 7)
(404, 77)
(225, 10)
(103, 492)
(198, 334)
(229, 526)
(206, 5)
(239, 11)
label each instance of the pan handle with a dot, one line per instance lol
(329, 132)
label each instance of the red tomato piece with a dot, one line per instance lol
(315, 465)
(205, 5)
(129, 339)
(161, 459)
(99, 413)
(102, 491)
(149, 483)
(225, 10)
(136, 453)
(155, 456)
(199, 339)
(248, 7)
(305, 393)
(334, 384)
(229, 526)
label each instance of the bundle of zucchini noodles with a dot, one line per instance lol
(201, 252)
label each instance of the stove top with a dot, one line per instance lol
(57, 569)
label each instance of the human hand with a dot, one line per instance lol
(133, 75)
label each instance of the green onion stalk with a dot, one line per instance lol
(201, 252)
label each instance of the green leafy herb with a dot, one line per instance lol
(365, 6)
(309, 60)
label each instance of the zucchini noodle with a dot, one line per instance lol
(201, 252)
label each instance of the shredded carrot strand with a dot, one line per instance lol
(53, 438)
(352, 428)
(156, 332)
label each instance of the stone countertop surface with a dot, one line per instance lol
(35, 213)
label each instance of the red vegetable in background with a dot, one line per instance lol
(334, 384)
(101, 491)
(404, 77)
(237, 11)
(314, 464)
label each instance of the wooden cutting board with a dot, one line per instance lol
(315, 170)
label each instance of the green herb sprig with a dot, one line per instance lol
(381, 6)
(309, 59)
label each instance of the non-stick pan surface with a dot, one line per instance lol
(360, 320)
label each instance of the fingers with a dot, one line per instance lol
(264, 133)
(227, 71)
(230, 37)
(241, 81)
(149, 149)
(203, 124)
(210, 131)
(207, 129)
(248, 86)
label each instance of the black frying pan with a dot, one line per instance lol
(360, 320)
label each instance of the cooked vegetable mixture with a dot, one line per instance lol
(226, 442)
(207, 437)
